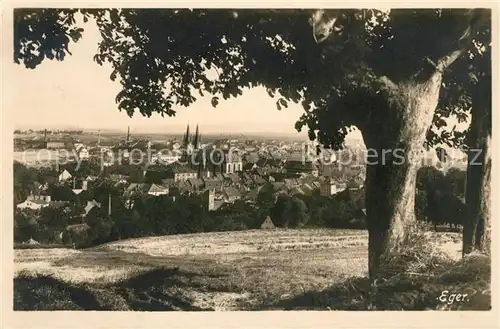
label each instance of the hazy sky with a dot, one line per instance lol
(78, 93)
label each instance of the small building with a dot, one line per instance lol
(212, 183)
(267, 224)
(166, 157)
(231, 194)
(90, 178)
(31, 241)
(218, 204)
(91, 205)
(83, 153)
(196, 183)
(183, 173)
(55, 145)
(60, 204)
(136, 189)
(64, 175)
(329, 187)
(299, 165)
(35, 202)
(78, 228)
(84, 187)
(157, 190)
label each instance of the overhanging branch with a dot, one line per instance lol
(476, 18)
(387, 83)
(448, 60)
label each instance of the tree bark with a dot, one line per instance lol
(394, 135)
(477, 226)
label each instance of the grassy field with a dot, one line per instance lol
(278, 269)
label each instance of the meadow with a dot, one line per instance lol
(246, 270)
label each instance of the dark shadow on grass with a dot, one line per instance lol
(44, 292)
(147, 291)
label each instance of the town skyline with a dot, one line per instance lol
(179, 131)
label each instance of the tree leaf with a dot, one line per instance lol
(215, 101)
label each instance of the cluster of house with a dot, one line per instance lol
(229, 186)
(218, 188)
(240, 174)
(39, 201)
(236, 176)
(80, 149)
(234, 181)
(230, 181)
(39, 197)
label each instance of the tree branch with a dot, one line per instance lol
(477, 17)
(387, 83)
(449, 59)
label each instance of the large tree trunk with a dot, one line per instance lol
(394, 136)
(477, 226)
(395, 131)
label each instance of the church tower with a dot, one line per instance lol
(186, 139)
(196, 140)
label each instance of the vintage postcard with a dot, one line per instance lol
(200, 164)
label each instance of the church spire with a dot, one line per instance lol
(186, 137)
(196, 140)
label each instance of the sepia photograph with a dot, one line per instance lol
(250, 159)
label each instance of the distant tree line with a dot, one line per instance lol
(49, 131)
(440, 198)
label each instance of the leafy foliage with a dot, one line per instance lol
(23, 182)
(43, 33)
(439, 196)
(468, 82)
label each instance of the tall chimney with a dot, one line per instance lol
(99, 138)
(109, 205)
